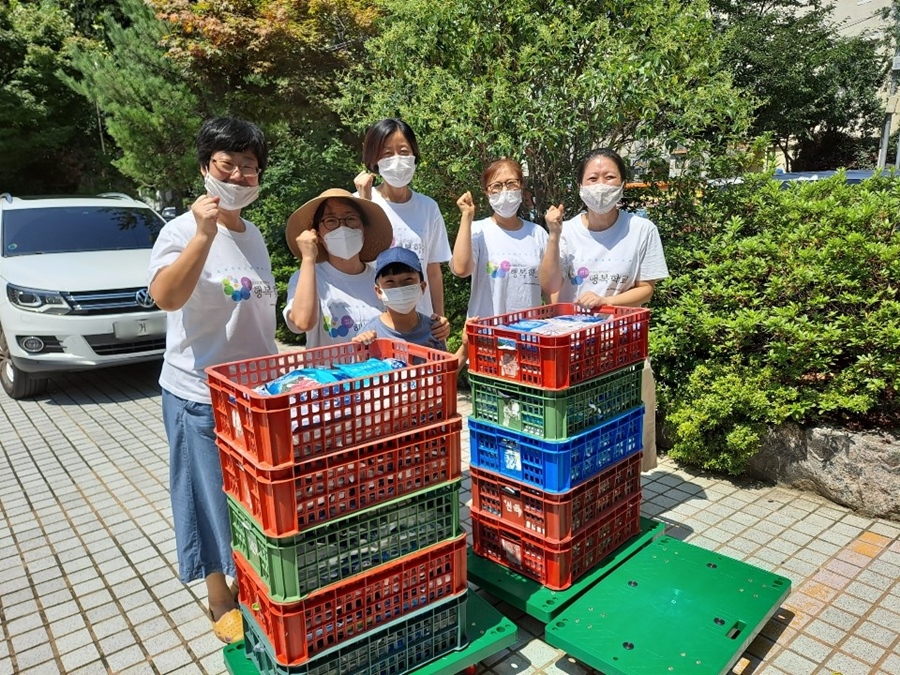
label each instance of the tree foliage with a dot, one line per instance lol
(812, 82)
(269, 60)
(543, 81)
(783, 305)
(149, 109)
(47, 132)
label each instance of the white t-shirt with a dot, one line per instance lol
(347, 302)
(419, 226)
(612, 261)
(230, 316)
(505, 277)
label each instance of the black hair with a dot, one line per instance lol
(377, 135)
(320, 211)
(230, 134)
(609, 153)
(399, 268)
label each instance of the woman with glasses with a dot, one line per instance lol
(336, 237)
(210, 270)
(606, 256)
(501, 252)
(391, 151)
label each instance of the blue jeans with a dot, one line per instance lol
(199, 507)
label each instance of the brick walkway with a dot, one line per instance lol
(88, 582)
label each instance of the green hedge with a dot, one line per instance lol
(783, 305)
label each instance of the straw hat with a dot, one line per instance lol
(377, 231)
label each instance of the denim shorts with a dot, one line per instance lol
(199, 507)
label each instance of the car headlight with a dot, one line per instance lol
(32, 300)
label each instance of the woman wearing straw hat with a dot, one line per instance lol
(337, 236)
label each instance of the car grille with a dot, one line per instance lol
(92, 303)
(107, 345)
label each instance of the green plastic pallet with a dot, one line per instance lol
(543, 604)
(671, 608)
(488, 632)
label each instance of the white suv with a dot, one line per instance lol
(73, 287)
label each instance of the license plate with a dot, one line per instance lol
(126, 330)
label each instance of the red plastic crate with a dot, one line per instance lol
(554, 516)
(275, 431)
(286, 502)
(556, 565)
(557, 361)
(342, 611)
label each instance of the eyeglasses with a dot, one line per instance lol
(498, 187)
(333, 222)
(227, 166)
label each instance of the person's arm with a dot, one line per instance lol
(462, 264)
(550, 270)
(304, 311)
(436, 286)
(635, 296)
(173, 285)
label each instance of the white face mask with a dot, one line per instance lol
(398, 170)
(601, 197)
(506, 203)
(344, 242)
(232, 197)
(402, 300)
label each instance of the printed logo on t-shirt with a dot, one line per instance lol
(242, 289)
(498, 270)
(339, 327)
(584, 275)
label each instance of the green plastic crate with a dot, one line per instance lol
(554, 415)
(396, 649)
(292, 567)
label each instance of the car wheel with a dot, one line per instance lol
(17, 383)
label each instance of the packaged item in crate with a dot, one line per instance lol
(557, 361)
(555, 466)
(559, 325)
(285, 502)
(554, 516)
(292, 567)
(556, 564)
(302, 630)
(551, 414)
(394, 649)
(274, 431)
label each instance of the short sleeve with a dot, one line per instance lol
(291, 289)
(439, 244)
(170, 243)
(653, 262)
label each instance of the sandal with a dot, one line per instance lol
(230, 626)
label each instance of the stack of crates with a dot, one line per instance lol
(344, 507)
(556, 436)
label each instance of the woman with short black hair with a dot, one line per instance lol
(210, 270)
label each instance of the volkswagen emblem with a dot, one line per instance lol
(143, 299)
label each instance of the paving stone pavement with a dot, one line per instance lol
(88, 580)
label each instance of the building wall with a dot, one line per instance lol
(859, 16)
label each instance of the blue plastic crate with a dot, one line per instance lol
(556, 466)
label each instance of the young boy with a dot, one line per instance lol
(400, 284)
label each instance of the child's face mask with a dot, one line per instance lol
(403, 299)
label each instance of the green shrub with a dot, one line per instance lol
(782, 306)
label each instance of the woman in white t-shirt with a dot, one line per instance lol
(390, 150)
(502, 252)
(605, 256)
(210, 271)
(336, 236)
